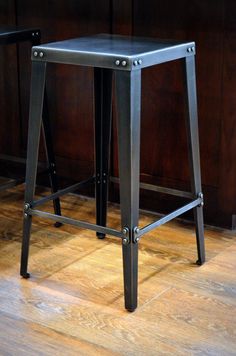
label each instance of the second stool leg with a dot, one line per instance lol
(128, 93)
(35, 119)
(49, 144)
(103, 107)
(193, 142)
(50, 157)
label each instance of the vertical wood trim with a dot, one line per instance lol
(227, 174)
(122, 17)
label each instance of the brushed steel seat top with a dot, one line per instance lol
(113, 51)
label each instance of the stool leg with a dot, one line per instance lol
(48, 145)
(194, 157)
(50, 157)
(103, 107)
(35, 118)
(128, 93)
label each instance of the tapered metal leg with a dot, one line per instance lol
(35, 119)
(50, 158)
(49, 145)
(103, 107)
(128, 92)
(193, 142)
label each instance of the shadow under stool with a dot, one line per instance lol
(15, 35)
(123, 57)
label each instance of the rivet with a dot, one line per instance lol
(200, 195)
(189, 49)
(25, 215)
(136, 232)
(202, 203)
(135, 63)
(41, 54)
(140, 61)
(193, 49)
(125, 231)
(125, 241)
(27, 206)
(117, 62)
(35, 53)
(124, 63)
(33, 34)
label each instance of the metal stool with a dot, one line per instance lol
(15, 35)
(125, 57)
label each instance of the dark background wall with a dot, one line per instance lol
(164, 161)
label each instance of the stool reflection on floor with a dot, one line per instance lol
(15, 35)
(124, 57)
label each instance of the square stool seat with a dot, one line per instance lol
(123, 58)
(13, 34)
(113, 51)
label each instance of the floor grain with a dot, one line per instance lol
(73, 302)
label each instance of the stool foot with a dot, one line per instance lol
(101, 236)
(130, 268)
(198, 215)
(58, 224)
(200, 262)
(25, 275)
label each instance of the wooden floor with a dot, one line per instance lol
(73, 303)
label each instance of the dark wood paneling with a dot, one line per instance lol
(164, 158)
(162, 105)
(122, 17)
(227, 164)
(163, 151)
(7, 12)
(70, 88)
(10, 123)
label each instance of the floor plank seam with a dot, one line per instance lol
(151, 300)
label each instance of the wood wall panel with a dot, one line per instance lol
(70, 88)
(164, 157)
(227, 164)
(179, 21)
(122, 17)
(9, 108)
(163, 141)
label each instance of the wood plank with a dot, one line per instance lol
(75, 294)
(195, 323)
(28, 338)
